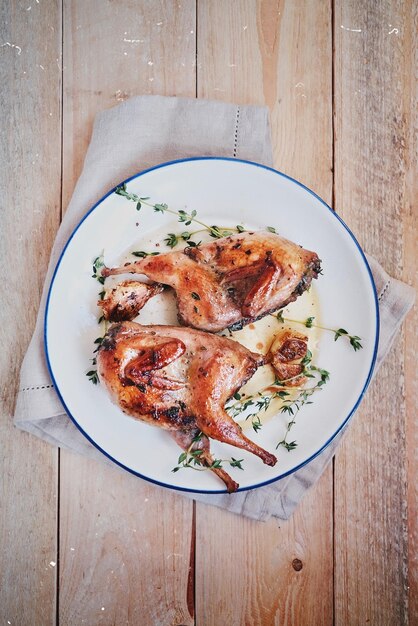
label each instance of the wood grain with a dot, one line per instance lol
(410, 275)
(131, 542)
(127, 551)
(372, 109)
(124, 549)
(247, 53)
(113, 51)
(30, 174)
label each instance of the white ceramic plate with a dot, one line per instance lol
(227, 192)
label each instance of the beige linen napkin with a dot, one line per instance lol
(131, 137)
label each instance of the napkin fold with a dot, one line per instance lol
(133, 136)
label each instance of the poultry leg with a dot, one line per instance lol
(211, 417)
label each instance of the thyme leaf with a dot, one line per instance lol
(93, 376)
(161, 207)
(291, 404)
(98, 263)
(141, 254)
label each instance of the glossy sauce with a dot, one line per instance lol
(262, 333)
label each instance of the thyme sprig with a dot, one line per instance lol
(98, 264)
(172, 239)
(191, 459)
(338, 332)
(93, 376)
(182, 216)
(142, 254)
(291, 405)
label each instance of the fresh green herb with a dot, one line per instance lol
(98, 263)
(256, 423)
(98, 342)
(239, 228)
(93, 376)
(291, 445)
(279, 317)
(271, 229)
(355, 342)
(192, 459)
(293, 406)
(309, 323)
(171, 240)
(195, 295)
(182, 216)
(186, 217)
(339, 333)
(306, 359)
(354, 339)
(161, 208)
(141, 254)
(290, 404)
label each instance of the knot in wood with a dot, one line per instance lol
(297, 565)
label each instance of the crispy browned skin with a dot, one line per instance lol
(287, 351)
(178, 379)
(236, 279)
(124, 301)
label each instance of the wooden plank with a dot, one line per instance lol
(30, 191)
(112, 53)
(372, 153)
(410, 275)
(124, 548)
(124, 545)
(258, 53)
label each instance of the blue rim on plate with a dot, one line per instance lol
(344, 422)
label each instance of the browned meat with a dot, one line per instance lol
(178, 379)
(287, 351)
(124, 301)
(231, 281)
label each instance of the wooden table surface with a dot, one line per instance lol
(82, 543)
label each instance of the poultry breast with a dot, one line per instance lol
(179, 379)
(231, 281)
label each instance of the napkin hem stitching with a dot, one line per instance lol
(236, 132)
(36, 388)
(385, 288)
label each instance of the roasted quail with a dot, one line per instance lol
(179, 379)
(231, 281)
